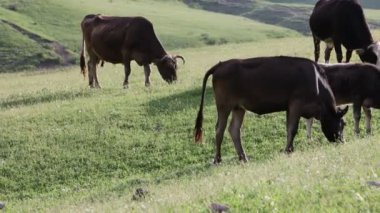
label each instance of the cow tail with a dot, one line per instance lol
(82, 60)
(198, 132)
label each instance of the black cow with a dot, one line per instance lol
(270, 84)
(342, 22)
(121, 40)
(358, 84)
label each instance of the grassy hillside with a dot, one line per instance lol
(49, 30)
(365, 3)
(63, 145)
(292, 14)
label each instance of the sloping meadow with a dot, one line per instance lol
(46, 33)
(64, 144)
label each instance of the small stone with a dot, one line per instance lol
(140, 193)
(13, 7)
(2, 205)
(219, 208)
(374, 183)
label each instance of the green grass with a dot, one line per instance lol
(326, 179)
(64, 146)
(19, 51)
(176, 25)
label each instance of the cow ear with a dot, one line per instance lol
(342, 112)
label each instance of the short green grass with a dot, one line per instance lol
(326, 179)
(65, 146)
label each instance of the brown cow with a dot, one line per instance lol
(270, 84)
(358, 84)
(121, 40)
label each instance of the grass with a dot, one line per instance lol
(176, 25)
(64, 146)
(328, 178)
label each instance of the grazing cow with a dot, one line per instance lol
(358, 84)
(121, 40)
(265, 85)
(342, 22)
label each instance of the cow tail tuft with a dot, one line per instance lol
(198, 132)
(82, 60)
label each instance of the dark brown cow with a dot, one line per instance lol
(342, 22)
(358, 84)
(265, 85)
(121, 40)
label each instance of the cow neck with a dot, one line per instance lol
(365, 43)
(160, 57)
(157, 52)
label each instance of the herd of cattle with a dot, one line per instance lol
(299, 86)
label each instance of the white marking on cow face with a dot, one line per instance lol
(316, 79)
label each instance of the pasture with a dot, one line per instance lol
(45, 21)
(67, 148)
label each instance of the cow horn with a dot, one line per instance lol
(373, 45)
(180, 57)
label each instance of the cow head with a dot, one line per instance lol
(167, 67)
(333, 124)
(371, 54)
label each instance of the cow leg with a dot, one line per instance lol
(147, 74)
(338, 51)
(348, 55)
(368, 118)
(317, 48)
(127, 71)
(92, 78)
(96, 76)
(357, 114)
(234, 129)
(222, 123)
(292, 121)
(309, 125)
(90, 74)
(328, 53)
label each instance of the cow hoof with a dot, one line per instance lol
(243, 159)
(217, 161)
(147, 84)
(289, 150)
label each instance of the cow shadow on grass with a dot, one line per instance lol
(179, 102)
(42, 96)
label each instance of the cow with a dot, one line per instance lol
(342, 22)
(266, 85)
(121, 40)
(358, 84)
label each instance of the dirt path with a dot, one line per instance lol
(66, 57)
